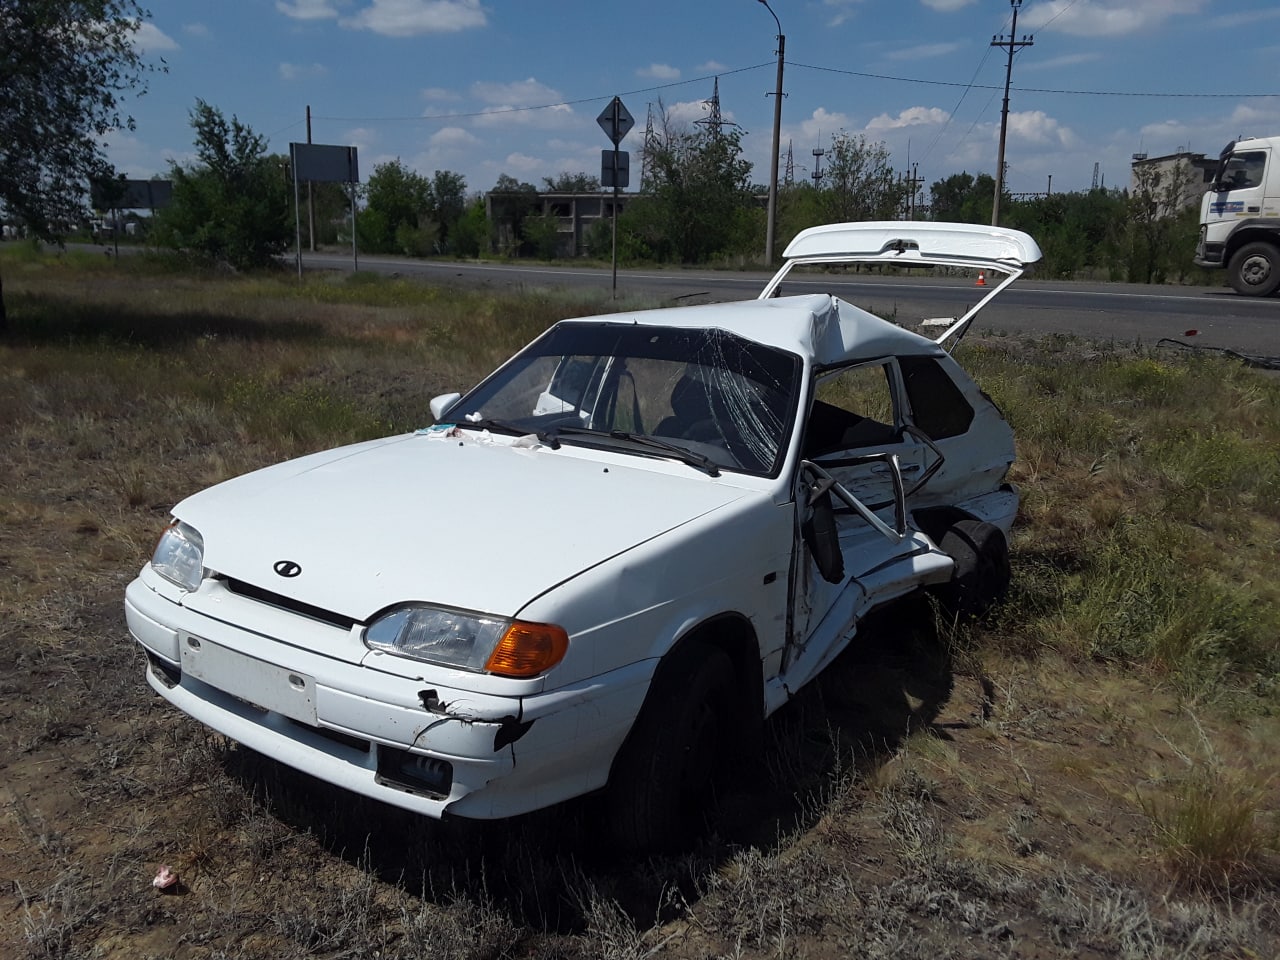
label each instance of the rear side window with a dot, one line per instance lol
(937, 405)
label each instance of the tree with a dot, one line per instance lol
(963, 198)
(511, 201)
(449, 204)
(572, 183)
(233, 204)
(858, 183)
(471, 230)
(65, 66)
(696, 199)
(541, 235)
(1161, 228)
(398, 207)
(1077, 232)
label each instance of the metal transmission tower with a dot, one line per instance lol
(818, 154)
(789, 177)
(647, 148)
(1094, 185)
(713, 121)
(1013, 45)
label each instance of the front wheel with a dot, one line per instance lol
(663, 781)
(1254, 270)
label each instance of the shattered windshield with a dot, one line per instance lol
(722, 398)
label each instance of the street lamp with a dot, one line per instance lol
(777, 135)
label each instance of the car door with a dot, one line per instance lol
(854, 547)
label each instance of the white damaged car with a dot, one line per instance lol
(607, 563)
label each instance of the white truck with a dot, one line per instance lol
(1240, 217)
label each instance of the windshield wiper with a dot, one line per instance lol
(684, 454)
(509, 426)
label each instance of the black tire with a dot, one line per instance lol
(1254, 270)
(661, 791)
(981, 576)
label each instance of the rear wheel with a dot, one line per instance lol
(980, 579)
(1255, 269)
(662, 788)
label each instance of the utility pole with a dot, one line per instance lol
(914, 182)
(1012, 45)
(777, 146)
(311, 200)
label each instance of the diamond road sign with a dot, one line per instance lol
(616, 121)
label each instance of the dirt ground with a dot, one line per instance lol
(1037, 816)
(1011, 827)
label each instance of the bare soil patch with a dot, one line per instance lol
(1032, 817)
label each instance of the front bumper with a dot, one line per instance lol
(1209, 254)
(409, 741)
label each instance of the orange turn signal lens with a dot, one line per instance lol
(528, 649)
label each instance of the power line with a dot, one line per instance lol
(1076, 93)
(544, 106)
(966, 86)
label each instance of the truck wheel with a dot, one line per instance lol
(980, 579)
(663, 781)
(1254, 270)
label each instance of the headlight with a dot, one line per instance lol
(179, 555)
(472, 641)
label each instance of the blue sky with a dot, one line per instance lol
(514, 86)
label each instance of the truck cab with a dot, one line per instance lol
(1240, 217)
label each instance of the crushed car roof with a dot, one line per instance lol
(824, 328)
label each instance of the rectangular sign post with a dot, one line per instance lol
(616, 121)
(324, 163)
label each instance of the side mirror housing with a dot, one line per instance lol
(442, 403)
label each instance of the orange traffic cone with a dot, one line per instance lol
(982, 279)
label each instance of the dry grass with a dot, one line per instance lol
(1103, 782)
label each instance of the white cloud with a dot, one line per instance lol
(1247, 18)
(911, 117)
(195, 29)
(523, 93)
(947, 6)
(843, 10)
(1067, 60)
(362, 138)
(1037, 127)
(129, 155)
(521, 163)
(821, 124)
(303, 71)
(511, 104)
(711, 66)
(659, 71)
(149, 38)
(557, 116)
(411, 18)
(452, 137)
(924, 51)
(684, 113)
(1105, 18)
(440, 95)
(307, 9)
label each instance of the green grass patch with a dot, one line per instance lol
(1150, 480)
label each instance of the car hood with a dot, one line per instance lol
(481, 526)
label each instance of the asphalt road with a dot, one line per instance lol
(1132, 313)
